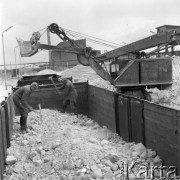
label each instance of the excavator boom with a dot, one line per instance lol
(126, 73)
(167, 37)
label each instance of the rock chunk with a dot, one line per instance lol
(10, 160)
(96, 171)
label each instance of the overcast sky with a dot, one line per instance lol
(113, 20)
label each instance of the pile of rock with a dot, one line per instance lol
(66, 147)
(170, 96)
(82, 73)
(46, 71)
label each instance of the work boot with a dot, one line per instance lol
(63, 109)
(76, 112)
(23, 122)
(24, 131)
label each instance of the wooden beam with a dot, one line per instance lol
(146, 43)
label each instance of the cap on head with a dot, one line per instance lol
(34, 85)
(61, 79)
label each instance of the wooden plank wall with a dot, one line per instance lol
(39, 81)
(177, 133)
(2, 145)
(161, 132)
(3, 122)
(82, 101)
(48, 98)
(102, 107)
(135, 120)
(122, 121)
(7, 114)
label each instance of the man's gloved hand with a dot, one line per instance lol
(26, 110)
(51, 78)
(31, 109)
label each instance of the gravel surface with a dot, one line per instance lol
(63, 146)
(82, 73)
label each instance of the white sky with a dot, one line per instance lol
(113, 20)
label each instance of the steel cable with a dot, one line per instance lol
(81, 35)
(84, 35)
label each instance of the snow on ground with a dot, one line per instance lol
(63, 146)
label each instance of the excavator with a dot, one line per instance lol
(131, 70)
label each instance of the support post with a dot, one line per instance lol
(172, 50)
(158, 50)
(166, 49)
(5, 75)
(51, 64)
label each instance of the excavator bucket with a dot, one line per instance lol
(26, 48)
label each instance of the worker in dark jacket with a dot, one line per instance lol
(20, 98)
(68, 92)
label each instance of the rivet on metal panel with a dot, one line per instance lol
(120, 101)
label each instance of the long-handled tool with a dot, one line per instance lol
(39, 105)
(51, 78)
(38, 112)
(41, 123)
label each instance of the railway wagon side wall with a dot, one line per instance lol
(156, 126)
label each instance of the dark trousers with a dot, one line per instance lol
(72, 104)
(23, 112)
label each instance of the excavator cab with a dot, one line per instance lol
(114, 69)
(141, 72)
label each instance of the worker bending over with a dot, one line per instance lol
(20, 98)
(68, 92)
